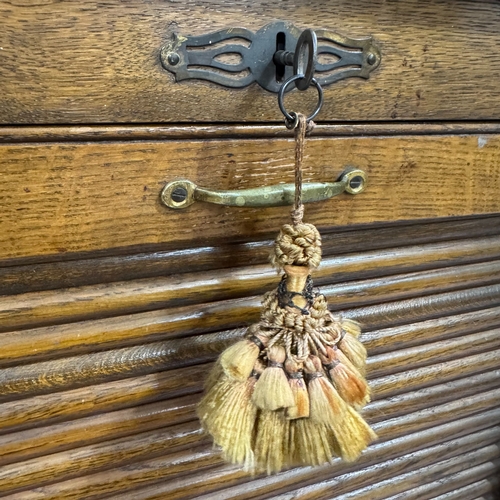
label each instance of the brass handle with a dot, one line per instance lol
(183, 193)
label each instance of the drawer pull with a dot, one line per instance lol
(183, 193)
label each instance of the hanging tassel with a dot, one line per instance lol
(287, 394)
(238, 360)
(272, 391)
(349, 344)
(272, 442)
(228, 414)
(348, 429)
(301, 397)
(348, 382)
(311, 443)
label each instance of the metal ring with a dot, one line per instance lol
(304, 59)
(289, 118)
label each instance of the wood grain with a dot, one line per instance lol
(222, 484)
(90, 132)
(435, 415)
(405, 403)
(68, 373)
(39, 441)
(57, 467)
(112, 396)
(443, 486)
(15, 477)
(427, 354)
(398, 383)
(94, 335)
(403, 482)
(98, 301)
(55, 215)
(403, 312)
(99, 63)
(418, 333)
(109, 483)
(367, 244)
(482, 487)
(27, 444)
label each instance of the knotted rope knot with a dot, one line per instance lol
(297, 245)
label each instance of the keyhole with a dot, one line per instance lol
(280, 45)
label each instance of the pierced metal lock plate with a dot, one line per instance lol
(202, 57)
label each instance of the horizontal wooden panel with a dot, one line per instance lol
(404, 482)
(473, 488)
(110, 483)
(95, 457)
(91, 336)
(228, 484)
(107, 397)
(98, 456)
(115, 202)
(421, 308)
(406, 424)
(66, 373)
(16, 447)
(67, 63)
(24, 445)
(15, 134)
(477, 244)
(471, 476)
(97, 301)
(416, 400)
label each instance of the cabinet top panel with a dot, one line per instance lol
(69, 61)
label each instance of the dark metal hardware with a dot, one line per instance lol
(291, 117)
(269, 57)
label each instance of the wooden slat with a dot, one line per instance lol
(50, 439)
(99, 63)
(66, 373)
(404, 482)
(97, 301)
(218, 484)
(444, 486)
(473, 488)
(63, 465)
(111, 396)
(98, 456)
(405, 403)
(424, 355)
(54, 215)
(391, 385)
(110, 483)
(46, 276)
(25, 445)
(406, 424)
(134, 262)
(60, 133)
(402, 336)
(422, 308)
(95, 335)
